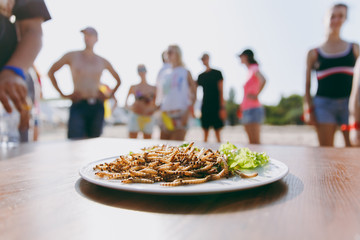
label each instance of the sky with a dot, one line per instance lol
(133, 32)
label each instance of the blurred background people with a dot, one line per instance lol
(252, 111)
(213, 111)
(20, 43)
(354, 107)
(141, 111)
(177, 93)
(333, 62)
(87, 110)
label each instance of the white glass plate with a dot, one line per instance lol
(271, 172)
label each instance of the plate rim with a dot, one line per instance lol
(168, 191)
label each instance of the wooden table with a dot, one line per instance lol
(43, 197)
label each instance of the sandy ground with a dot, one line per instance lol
(272, 135)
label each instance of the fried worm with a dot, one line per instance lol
(170, 165)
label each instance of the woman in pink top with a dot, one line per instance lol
(253, 112)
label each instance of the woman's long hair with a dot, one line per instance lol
(177, 49)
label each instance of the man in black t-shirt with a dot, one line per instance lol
(213, 106)
(18, 54)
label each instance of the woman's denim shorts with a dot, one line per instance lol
(253, 115)
(329, 110)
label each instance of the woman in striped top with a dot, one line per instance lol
(333, 62)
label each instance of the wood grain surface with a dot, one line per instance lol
(43, 197)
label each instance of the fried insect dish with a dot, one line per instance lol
(170, 165)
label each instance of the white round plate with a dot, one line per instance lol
(271, 172)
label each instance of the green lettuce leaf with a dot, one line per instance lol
(242, 158)
(187, 144)
(184, 145)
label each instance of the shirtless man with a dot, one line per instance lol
(87, 111)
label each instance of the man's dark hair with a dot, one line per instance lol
(341, 5)
(337, 5)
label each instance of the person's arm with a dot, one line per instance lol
(66, 59)
(308, 105)
(222, 112)
(192, 86)
(156, 107)
(262, 80)
(29, 45)
(155, 95)
(356, 50)
(131, 91)
(354, 107)
(192, 96)
(221, 92)
(112, 71)
(152, 106)
(199, 82)
(159, 90)
(12, 85)
(115, 103)
(154, 98)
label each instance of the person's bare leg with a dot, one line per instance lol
(165, 135)
(217, 134)
(346, 138)
(133, 134)
(178, 135)
(326, 133)
(253, 132)
(147, 136)
(206, 134)
(36, 133)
